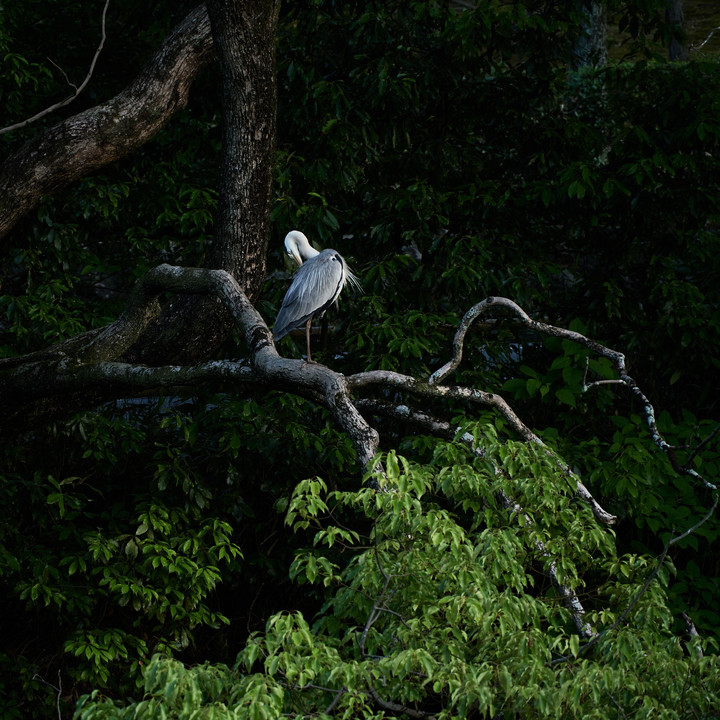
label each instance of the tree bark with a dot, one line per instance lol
(245, 35)
(590, 47)
(193, 328)
(91, 368)
(677, 44)
(87, 141)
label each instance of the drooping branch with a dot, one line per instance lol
(387, 379)
(624, 379)
(102, 134)
(440, 428)
(91, 366)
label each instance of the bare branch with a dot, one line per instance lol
(692, 632)
(78, 90)
(702, 444)
(706, 40)
(57, 688)
(92, 366)
(490, 303)
(387, 378)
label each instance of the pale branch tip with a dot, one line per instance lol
(706, 40)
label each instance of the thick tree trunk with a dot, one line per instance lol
(245, 34)
(193, 328)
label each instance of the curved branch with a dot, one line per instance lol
(443, 429)
(618, 359)
(102, 134)
(91, 366)
(388, 378)
(490, 304)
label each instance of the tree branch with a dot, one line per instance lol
(440, 428)
(706, 40)
(57, 688)
(386, 378)
(91, 367)
(490, 303)
(78, 90)
(643, 589)
(102, 134)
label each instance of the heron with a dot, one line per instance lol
(316, 285)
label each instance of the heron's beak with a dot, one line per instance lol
(295, 255)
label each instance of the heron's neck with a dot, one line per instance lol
(306, 250)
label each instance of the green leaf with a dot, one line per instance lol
(566, 396)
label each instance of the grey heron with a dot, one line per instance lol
(316, 285)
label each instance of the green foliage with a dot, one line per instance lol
(115, 574)
(149, 529)
(439, 605)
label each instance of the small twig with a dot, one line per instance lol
(587, 385)
(335, 700)
(397, 708)
(57, 689)
(705, 41)
(377, 608)
(702, 444)
(77, 91)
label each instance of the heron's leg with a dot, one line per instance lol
(308, 325)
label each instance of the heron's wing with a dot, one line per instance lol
(315, 287)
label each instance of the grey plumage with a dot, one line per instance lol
(316, 285)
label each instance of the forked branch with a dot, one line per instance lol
(490, 304)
